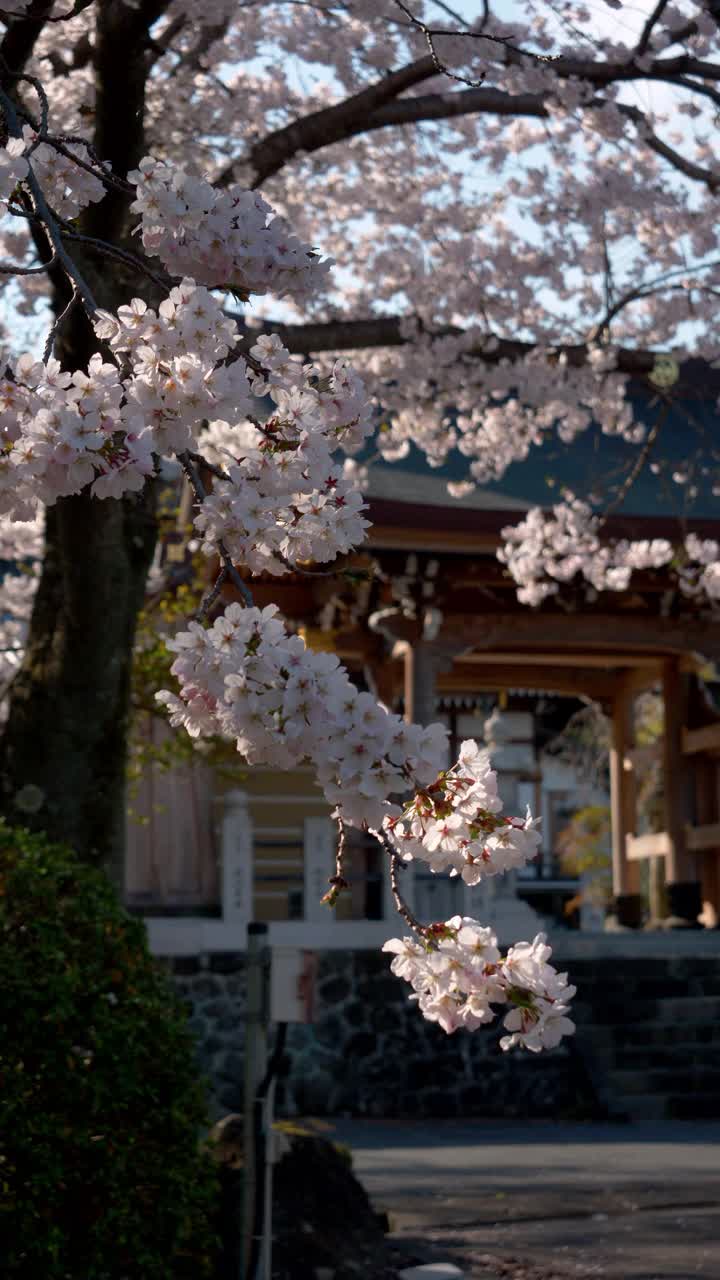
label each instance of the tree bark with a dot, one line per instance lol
(63, 751)
(66, 731)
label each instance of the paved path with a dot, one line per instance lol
(621, 1202)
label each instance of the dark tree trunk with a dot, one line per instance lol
(63, 752)
(66, 733)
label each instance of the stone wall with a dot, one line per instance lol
(370, 1053)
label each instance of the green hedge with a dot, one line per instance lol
(102, 1176)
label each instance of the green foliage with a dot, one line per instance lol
(584, 844)
(152, 743)
(102, 1174)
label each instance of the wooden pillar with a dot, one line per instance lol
(626, 875)
(683, 887)
(421, 669)
(706, 813)
(422, 663)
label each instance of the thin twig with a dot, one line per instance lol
(97, 169)
(211, 596)
(42, 209)
(39, 88)
(122, 255)
(647, 30)
(203, 462)
(14, 269)
(198, 488)
(50, 340)
(638, 465)
(338, 882)
(401, 905)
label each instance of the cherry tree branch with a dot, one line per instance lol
(229, 570)
(401, 905)
(52, 230)
(337, 881)
(380, 106)
(646, 33)
(638, 465)
(21, 36)
(389, 331)
(75, 300)
(316, 130)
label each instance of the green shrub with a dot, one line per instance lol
(102, 1176)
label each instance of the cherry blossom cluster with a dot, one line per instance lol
(223, 238)
(546, 550)
(699, 571)
(458, 974)
(494, 414)
(62, 431)
(455, 825)
(246, 678)
(285, 500)
(280, 497)
(179, 376)
(68, 188)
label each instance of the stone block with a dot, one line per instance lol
(432, 1271)
(227, 962)
(361, 1045)
(334, 990)
(205, 986)
(355, 1014)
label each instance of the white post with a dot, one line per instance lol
(236, 843)
(256, 1058)
(270, 1144)
(319, 865)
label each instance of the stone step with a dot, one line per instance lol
(694, 1106)
(699, 1010)
(631, 974)
(630, 991)
(667, 1081)
(664, 1033)
(652, 1057)
(643, 1107)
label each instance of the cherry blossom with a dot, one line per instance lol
(221, 238)
(546, 550)
(13, 166)
(458, 974)
(247, 679)
(455, 825)
(525, 219)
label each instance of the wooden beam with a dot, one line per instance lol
(680, 863)
(707, 814)
(539, 630)
(567, 658)
(542, 679)
(704, 837)
(622, 792)
(429, 538)
(704, 739)
(656, 844)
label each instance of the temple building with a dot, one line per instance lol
(427, 618)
